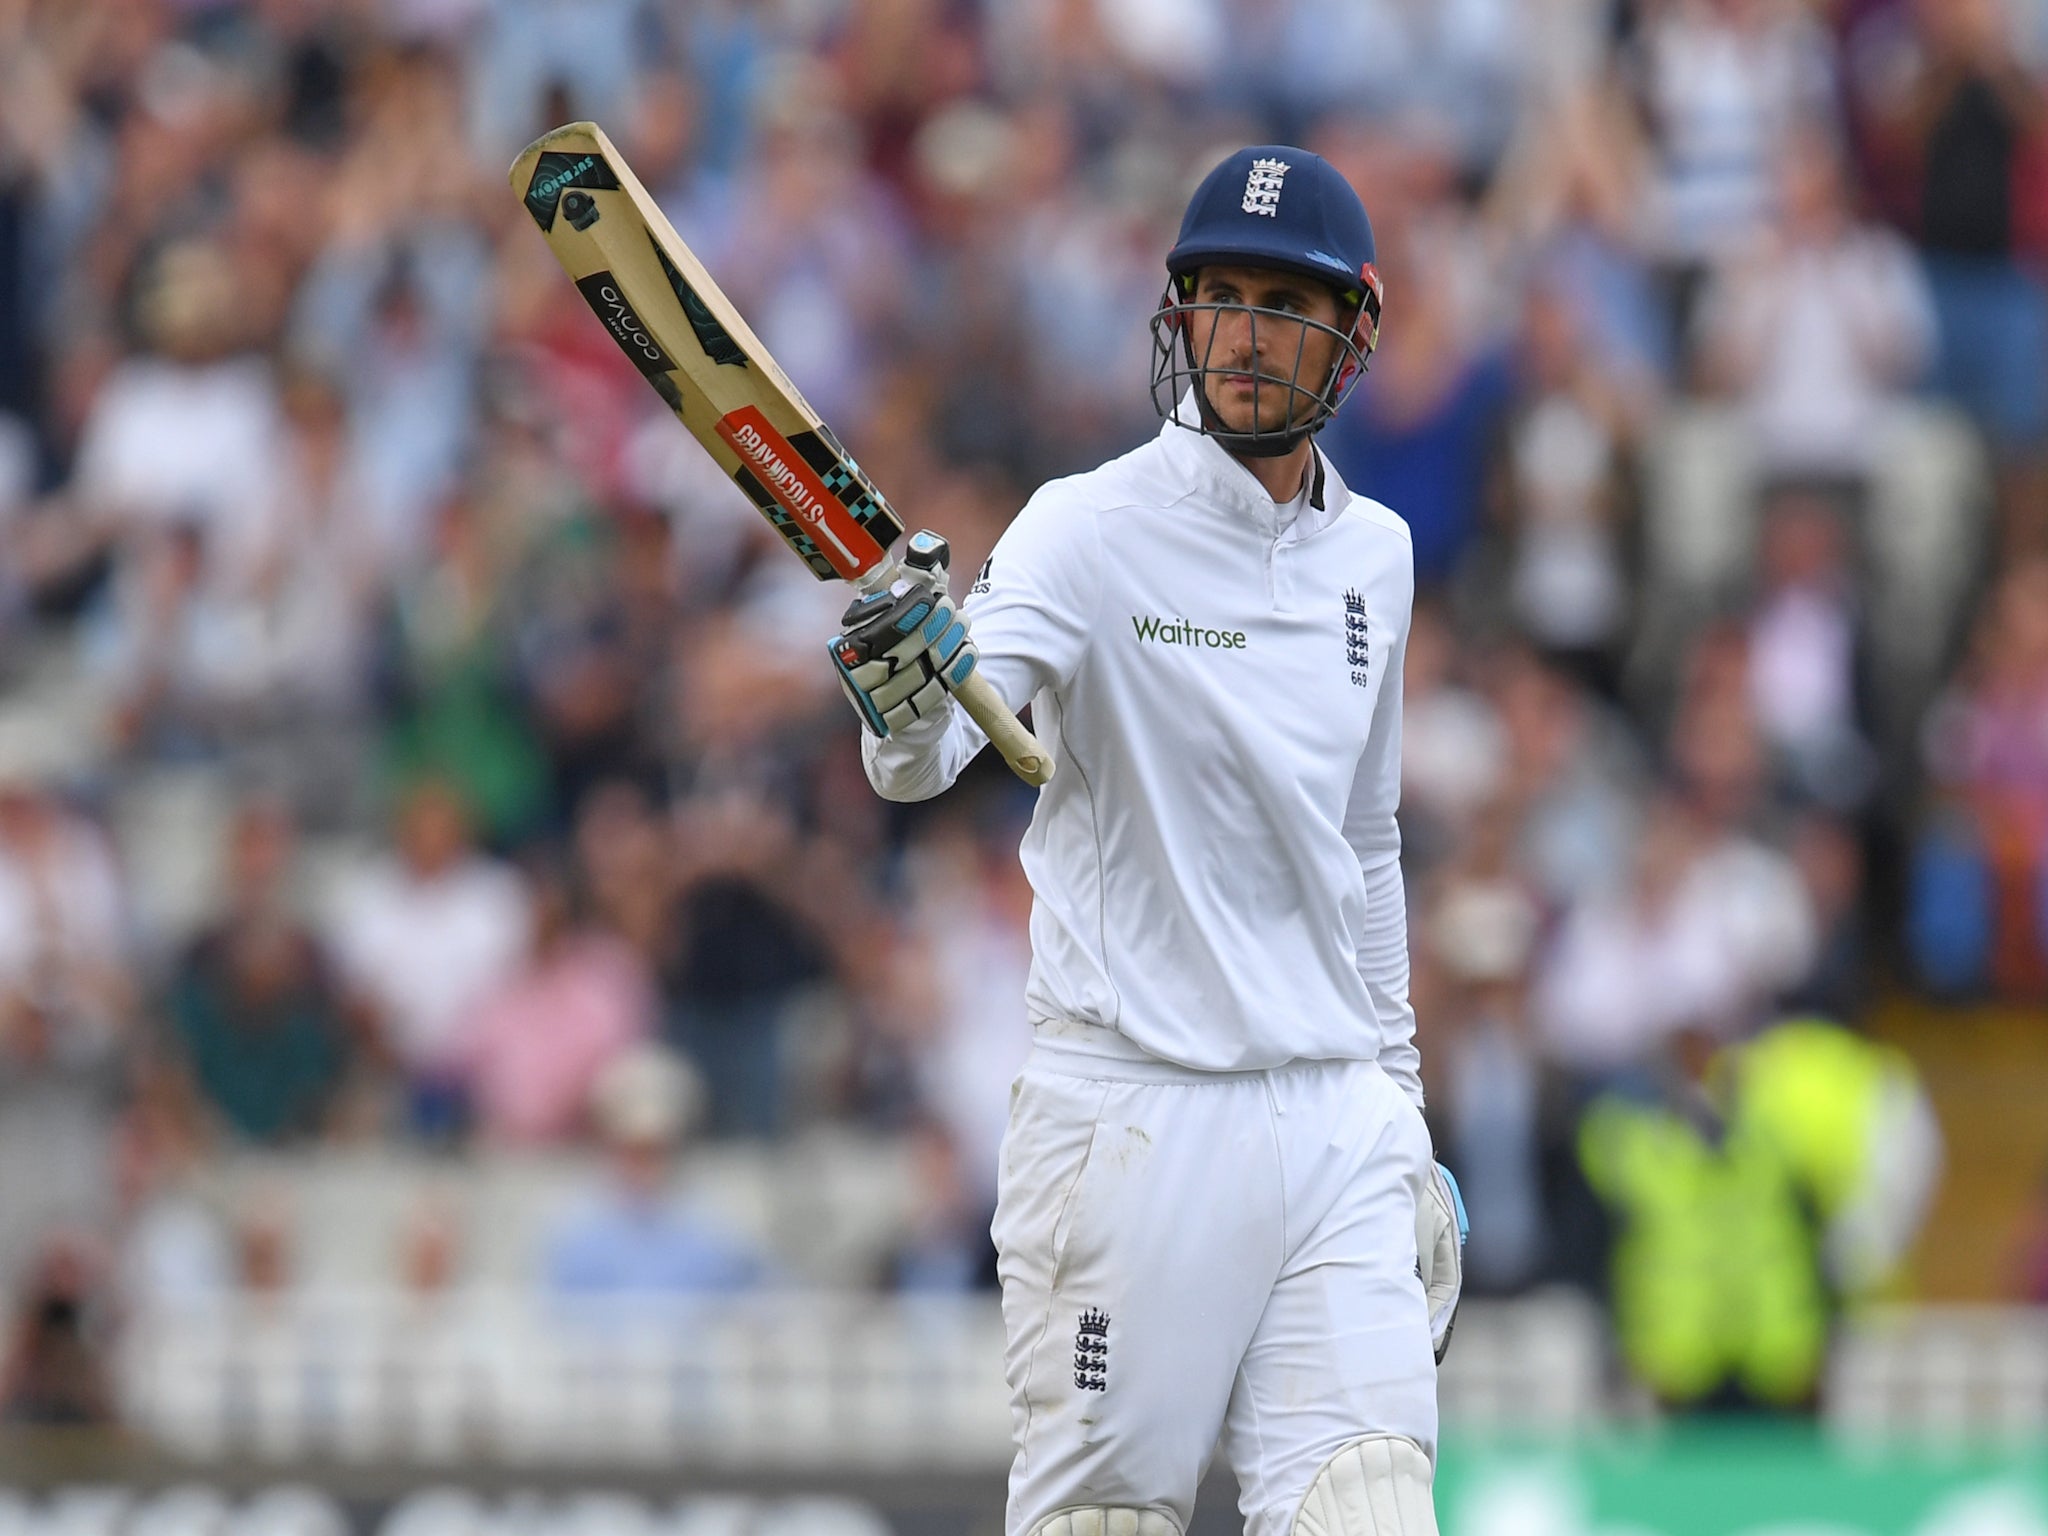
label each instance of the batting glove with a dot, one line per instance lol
(901, 652)
(1440, 1231)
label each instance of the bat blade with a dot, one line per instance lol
(676, 325)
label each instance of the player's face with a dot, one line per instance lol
(1252, 359)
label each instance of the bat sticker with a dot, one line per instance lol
(785, 525)
(716, 341)
(555, 173)
(601, 292)
(796, 486)
(581, 208)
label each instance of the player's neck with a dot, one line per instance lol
(1284, 476)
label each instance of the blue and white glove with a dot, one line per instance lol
(900, 653)
(1440, 1231)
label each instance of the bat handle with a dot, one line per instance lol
(1020, 749)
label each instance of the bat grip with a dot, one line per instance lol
(1020, 749)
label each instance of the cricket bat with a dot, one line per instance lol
(686, 338)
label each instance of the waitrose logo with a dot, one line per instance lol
(1182, 632)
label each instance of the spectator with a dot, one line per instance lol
(1805, 650)
(1963, 119)
(1852, 1121)
(584, 671)
(635, 1237)
(324, 569)
(955, 1001)
(1831, 863)
(55, 1371)
(1720, 84)
(1477, 933)
(1423, 425)
(1724, 777)
(66, 983)
(1986, 749)
(177, 651)
(255, 1013)
(1453, 747)
(420, 936)
(1756, 1190)
(531, 1050)
(67, 992)
(272, 656)
(1457, 69)
(948, 1248)
(1573, 774)
(188, 432)
(452, 686)
(396, 299)
(1568, 438)
(174, 1248)
(1817, 325)
(811, 245)
(1718, 1297)
(742, 949)
(1631, 964)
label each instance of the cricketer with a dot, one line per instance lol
(1219, 1220)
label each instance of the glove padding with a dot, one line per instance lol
(901, 653)
(1440, 1231)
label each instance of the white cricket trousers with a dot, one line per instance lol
(1187, 1256)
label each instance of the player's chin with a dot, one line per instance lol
(1241, 410)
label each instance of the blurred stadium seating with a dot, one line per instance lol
(381, 672)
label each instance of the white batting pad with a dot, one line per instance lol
(1377, 1486)
(1097, 1521)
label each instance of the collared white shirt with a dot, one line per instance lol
(1215, 865)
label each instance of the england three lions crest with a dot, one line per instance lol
(1262, 187)
(1091, 1351)
(1357, 639)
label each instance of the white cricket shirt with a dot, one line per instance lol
(1216, 866)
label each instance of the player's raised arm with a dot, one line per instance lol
(902, 658)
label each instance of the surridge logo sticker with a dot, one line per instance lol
(555, 173)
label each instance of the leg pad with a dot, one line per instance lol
(1097, 1520)
(1375, 1486)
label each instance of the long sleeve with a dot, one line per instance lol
(1031, 610)
(1370, 828)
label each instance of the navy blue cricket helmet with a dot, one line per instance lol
(1286, 209)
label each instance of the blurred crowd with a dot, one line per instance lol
(407, 736)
